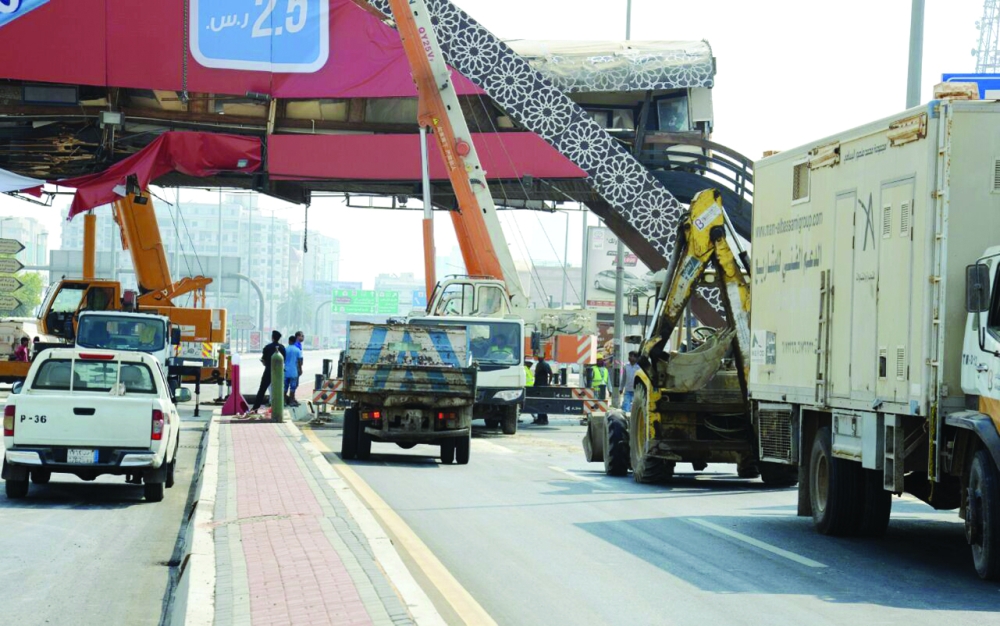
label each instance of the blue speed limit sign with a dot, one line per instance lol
(266, 35)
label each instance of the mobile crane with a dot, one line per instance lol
(691, 406)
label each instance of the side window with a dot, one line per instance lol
(67, 300)
(456, 300)
(54, 374)
(492, 301)
(993, 321)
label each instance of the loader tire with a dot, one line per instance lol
(877, 506)
(836, 489)
(645, 468)
(778, 475)
(349, 436)
(616, 445)
(982, 519)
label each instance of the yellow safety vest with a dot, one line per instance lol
(600, 377)
(529, 377)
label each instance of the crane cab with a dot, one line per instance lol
(59, 311)
(470, 296)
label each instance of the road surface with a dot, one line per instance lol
(76, 552)
(537, 536)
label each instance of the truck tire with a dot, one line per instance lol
(747, 470)
(982, 518)
(616, 446)
(448, 452)
(492, 424)
(510, 417)
(778, 475)
(16, 489)
(835, 489)
(364, 444)
(153, 492)
(878, 505)
(349, 437)
(41, 477)
(463, 448)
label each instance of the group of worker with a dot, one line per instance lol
(598, 379)
(292, 355)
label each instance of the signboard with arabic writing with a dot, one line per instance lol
(267, 35)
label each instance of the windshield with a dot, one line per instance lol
(497, 343)
(118, 333)
(85, 375)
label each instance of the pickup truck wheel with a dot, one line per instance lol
(982, 518)
(349, 437)
(778, 475)
(463, 446)
(153, 492)
(835, 489)
(510, 417)
(448, 452)
(170, 474)
(41, 477)
(16, 488)
(364, 444)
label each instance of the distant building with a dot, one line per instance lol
(544, 284)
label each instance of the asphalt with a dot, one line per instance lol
(538, 536)
(76, 552)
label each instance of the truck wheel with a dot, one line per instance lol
(878, 505)
(16, 488)
(510, 419)
(834, 489)
(982, 517)
(492, 424)
(153, 492)
(448, 452)
(747, 469)
(364, 444)
(41, 477)
(778, 475)
(170, 474)
(349, 437)
(463, 447)
(616, 449)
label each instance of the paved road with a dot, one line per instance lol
(76, 552)
(538, 536)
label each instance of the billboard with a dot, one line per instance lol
(599, 270)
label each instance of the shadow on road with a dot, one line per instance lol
(919, 564)
(68, 494)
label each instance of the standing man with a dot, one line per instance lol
(21, 351)
(265, 380)
(292, 371)
(299, 338)
(600, 378)
(628, 381)
(543, 375)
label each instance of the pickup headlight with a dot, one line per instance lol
(508, 395)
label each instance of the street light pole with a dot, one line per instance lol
(916, 54)
(565, 260)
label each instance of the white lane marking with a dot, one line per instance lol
(488, 447)
(587, 479)
(791, 556)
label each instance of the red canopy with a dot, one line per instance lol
(195, 154)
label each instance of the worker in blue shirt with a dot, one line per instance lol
(293, 358)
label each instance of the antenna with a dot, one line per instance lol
(988, 51)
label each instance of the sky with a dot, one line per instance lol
(789, 72)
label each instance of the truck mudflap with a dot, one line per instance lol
(982, 425)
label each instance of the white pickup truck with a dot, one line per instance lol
(88, 413)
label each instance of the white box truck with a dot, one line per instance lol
(875, 334)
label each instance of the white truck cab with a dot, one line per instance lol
(128, 332)
(88, 413)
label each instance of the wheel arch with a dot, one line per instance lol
(983, 427)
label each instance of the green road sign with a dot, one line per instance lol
(9, 284)
(10, 266)
(365, 302)
(9, 303)
(10, 246)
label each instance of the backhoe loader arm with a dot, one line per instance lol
(703, 239)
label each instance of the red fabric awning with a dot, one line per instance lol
(191, 153)
(397, 157)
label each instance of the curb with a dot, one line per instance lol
(194, 596)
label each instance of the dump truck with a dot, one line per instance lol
(875, 338)
(408, 384)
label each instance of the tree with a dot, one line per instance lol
(296, 312)
(30, 294)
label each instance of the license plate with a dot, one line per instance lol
(76, 455)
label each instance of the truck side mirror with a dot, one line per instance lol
(977, 288)
(16, 388)
(536, 342)
(175, 336)
(182, 394)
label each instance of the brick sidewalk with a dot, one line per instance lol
(287, 549)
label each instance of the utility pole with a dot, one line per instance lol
(218, 271)
(565, 260)
(916, 54)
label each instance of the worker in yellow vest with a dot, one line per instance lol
(599, 378)
(529, 376)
